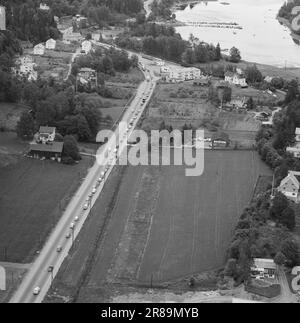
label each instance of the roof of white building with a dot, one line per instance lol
(291, 177)
(297, 131)
(264, 263)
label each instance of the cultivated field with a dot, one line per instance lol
(155, 224)
(33, 194)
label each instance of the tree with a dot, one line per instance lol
(218, 52)
(226, 96)
(71, 148)
(280, 203)
(253, 74)
(235, 55)
(290, 250)
(25, 126)
(279, 259)
(250, 104)
(288, 218)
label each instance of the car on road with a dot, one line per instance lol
(68, 236)
(50, 269)
(36, 291)
(59, 249)
(72, 226)
(85, 207)
(76, 219)
(94, 190)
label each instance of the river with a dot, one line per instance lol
(262, 39)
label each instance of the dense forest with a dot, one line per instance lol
(28, 22)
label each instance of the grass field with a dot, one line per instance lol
(165, 227)
(32, 196)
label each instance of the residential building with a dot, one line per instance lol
(268, 79)
(290, 185)
(44, 6)
(46, 134)
(72, 37)
(236, 79)
(50, 150)
(236, 104)
(295, 149)
(79, 22)
(86, 46)
(180, 74)
(96, 36)
(2, 18)
(50, 44)
(263, 268)
(39, 49)
(87, 75)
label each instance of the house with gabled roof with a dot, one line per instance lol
(290, 186)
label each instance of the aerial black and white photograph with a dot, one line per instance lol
(149, 154)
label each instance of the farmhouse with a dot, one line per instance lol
(50, 150)
(290, 185)
(236, 79)
(50, 44)
(236, 104)
(39, 50)
(46, 134)
(86, 46)
(295, 149)
(263, 268)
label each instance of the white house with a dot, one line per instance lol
(86, 46)
(295, 149)
(96, 36)
(46, 134)
(50, 44)
(290, 185)
(44, 6)
(39, 49)
(236, 79)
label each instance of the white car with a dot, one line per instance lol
(76, 219)
(36, 291)
(94, 190)
(72, 226)
(85, 207)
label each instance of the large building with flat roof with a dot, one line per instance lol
(2, 18)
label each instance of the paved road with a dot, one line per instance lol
(38, 275)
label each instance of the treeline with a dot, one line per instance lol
(163, 41)
(107, 61)
(128, 7)
(254, 237)
(28, 22)
(59, 106)
(286, 10)
(161, 9)
(9, 47)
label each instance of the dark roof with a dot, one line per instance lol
(55, 147)
(220, 136)
(47, 129)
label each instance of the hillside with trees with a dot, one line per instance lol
(28, 22)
